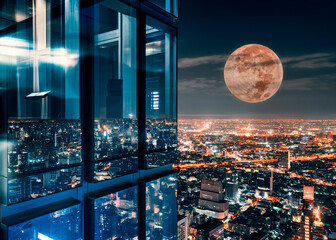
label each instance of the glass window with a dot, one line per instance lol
(161, 208)
(161, 122)
(168, 5)
(39, 63)
(161, 158)
(107, 170)
(42, 184)
(116, 215)
(61, 224)
(116, 125)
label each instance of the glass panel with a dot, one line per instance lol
(107, 170)
(116, 215)
(161, 124)
(157, 159)
(116, 128)
(62, 224)
(42, 184)
(168, 5)
(39, 62)
(42, 144)
(161, 208)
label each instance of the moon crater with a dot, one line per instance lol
(253, 73)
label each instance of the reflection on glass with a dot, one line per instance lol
(161, 208)
(116, 129)
(116, 215)
(157, 159)
(115, 138)
(42, 184)
(107, 170)
(38, 145)
(168, 5)
(161, 124)
(63, 224)
(39, 68)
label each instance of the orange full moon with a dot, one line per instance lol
(253, 73)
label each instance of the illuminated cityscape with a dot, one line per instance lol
(265, 197)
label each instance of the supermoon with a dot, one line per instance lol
(253, 73)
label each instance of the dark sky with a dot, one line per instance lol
(301, 33)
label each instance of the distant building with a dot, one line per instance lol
(231, 190)
(182, 227)
(284, 160)
(265, 182)
(307, 223)
(212, 229)
(211, 201)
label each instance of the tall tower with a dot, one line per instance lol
(307, 223)
(284, 160)
(211, 201)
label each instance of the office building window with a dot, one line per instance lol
(64, 223)
(40, 71)
(42, 184)
(107, 170)
(115, 103)
(161, 205)
(161, 123)
(115, 214)
(161, 158)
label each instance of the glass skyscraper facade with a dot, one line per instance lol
(88, 101)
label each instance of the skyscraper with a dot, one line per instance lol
(265, 182)
(182, 228)
(231, 185)
(307, 223)
(85, 154)
(211, 201)
(284, 160)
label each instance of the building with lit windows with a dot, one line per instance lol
(307, 224)
(211, 202)
(284, 160)
(88, 124)
(182, 227)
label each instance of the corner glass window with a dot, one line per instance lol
(161, 122)
(115, 101)
(39, 63)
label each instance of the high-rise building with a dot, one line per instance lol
(211, 201)
(212, 229)
(265, 182)
(307, 223)
(182, 227)
(284, 160)
(231, 185)
(85, 152)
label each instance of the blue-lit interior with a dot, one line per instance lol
(40, 69)
(116, 215)
(161, 123)
(161, 205)
(50, 151)
(64, 224)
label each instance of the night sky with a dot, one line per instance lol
(301, 33)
